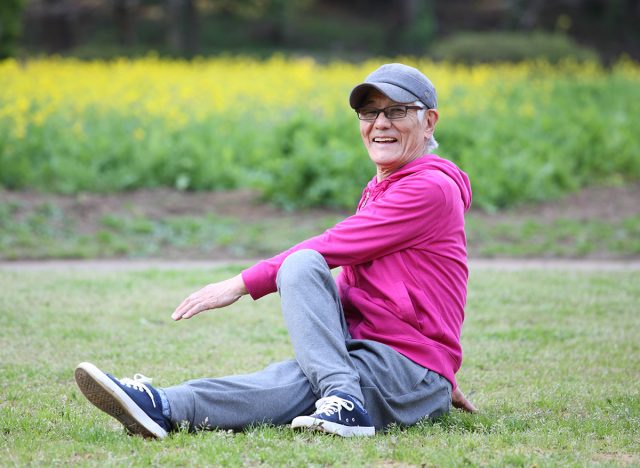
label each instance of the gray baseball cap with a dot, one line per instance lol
(400, 83)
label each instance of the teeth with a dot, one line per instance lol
(384, 140)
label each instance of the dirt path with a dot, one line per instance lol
(116, 265)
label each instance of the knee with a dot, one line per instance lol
(300, 265)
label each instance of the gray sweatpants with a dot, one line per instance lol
(392, 388)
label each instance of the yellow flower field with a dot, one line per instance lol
(68, 125)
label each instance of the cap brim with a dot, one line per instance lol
(393, 92)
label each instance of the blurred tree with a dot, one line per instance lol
(10, 20)
(525, 14)
(415, 26)
(125, 14)
(272, 19)
(402, 14)
(609, 25)
(182, 27)
(58, 31)
(361, 27)
(407, 25)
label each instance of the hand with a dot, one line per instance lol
(459, 401)
(212, 296)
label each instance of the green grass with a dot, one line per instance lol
(562, 237)
(47, 231)
(552, 358)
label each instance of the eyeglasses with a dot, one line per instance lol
(391, 112)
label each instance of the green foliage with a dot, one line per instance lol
(474, 47)
(10, 25)
(575, 133)
(317, 164)
(536, 135)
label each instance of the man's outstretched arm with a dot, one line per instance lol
(212, 296)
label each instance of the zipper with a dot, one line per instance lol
(366, 199)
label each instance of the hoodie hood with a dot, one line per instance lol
(429, 162)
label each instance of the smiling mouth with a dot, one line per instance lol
(384, 140)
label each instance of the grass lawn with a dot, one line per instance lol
(599, 222)
(49, 233)
(552, 359)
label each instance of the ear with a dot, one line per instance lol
(430, 119)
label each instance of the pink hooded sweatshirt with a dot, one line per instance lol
(403, 253)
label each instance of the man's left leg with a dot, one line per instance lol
(347, 372)
(313, 314)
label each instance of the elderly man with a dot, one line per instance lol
(378, 345)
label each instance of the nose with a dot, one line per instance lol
(382, 121)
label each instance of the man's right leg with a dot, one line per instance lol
(274, 395)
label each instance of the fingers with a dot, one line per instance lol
(468, 406)
(212, 296)
(193, 305)
(459, 401)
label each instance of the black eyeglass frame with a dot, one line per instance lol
(385, 112)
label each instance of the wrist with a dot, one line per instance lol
(239, 286)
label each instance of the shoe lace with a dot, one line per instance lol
(139, 382)
(331, 404)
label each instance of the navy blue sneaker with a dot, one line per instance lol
(133, 402)
(339, 414)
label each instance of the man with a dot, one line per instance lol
(381, 343)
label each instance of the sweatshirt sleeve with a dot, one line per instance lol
(409, 212)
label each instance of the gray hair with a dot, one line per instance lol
(432, 144)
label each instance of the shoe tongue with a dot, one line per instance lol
(346, 396)
(357, 403)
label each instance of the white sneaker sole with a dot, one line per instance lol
(307, 422)
(107, 396)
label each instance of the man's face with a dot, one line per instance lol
(393, 143)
